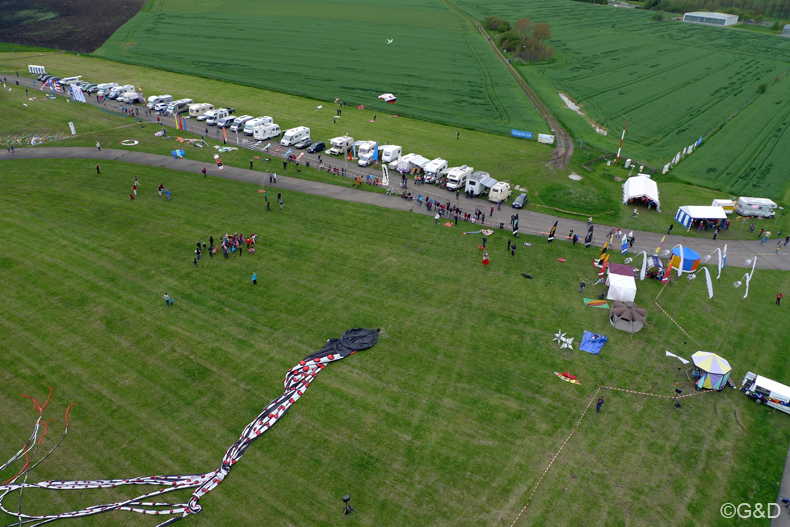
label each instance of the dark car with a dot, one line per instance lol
(316, 147)
(304, 143)
(520, 201)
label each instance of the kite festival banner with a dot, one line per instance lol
(553, 230)
(297, 380)
(588, 238)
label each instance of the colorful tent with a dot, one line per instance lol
(690, 259)
(621, 269)
(715, 370)
(690, 213)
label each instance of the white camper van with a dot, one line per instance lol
(156, 99)
(239, 122)
(120, 91)
(366, 151)
(179, 106)
(219, 113)
(130, 98)
(265, 131)
(294, 135)
(435, 170)
(340, 145)
(249, 126)
(756, 207)
(390, 153)
(480, 183)
(200, 109)
(456, 177)
(766, 391)
(68, 81)
(500, 192)
(104, 89)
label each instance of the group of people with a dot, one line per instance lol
(229, 244)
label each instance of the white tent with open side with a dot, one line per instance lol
(639, 187)
(621, 288)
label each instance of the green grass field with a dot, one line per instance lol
(449, 420)
(438, 66)
(676, 82)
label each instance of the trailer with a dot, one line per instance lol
(765, 391)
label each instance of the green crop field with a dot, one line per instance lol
(438, 66)
(450, 420)
(676, 82)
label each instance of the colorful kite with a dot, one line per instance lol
(297, 380)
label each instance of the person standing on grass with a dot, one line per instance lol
(161, 188)
(285, 165)
(436, 219)
(204, 171)
(168, 300)
(513, 249)
(250, 164)
(194, 261)
(134, 189)
(268, 208)
(167, 193)
(778, 298)
(254, 278)
(280, 200)
(97, 169)
(600, 403)
(581, 286)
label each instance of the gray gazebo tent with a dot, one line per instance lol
(627, 316)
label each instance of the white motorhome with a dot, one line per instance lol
(340, 145)
(435, 170)
(390, 153)
(219, 113)
(266, 131)
(200, 109)
(179, 106)
(500, 192)
(766, 391)
(239, 122)
(104, 89)
(480, 183)
(404, 162)
(295, 135)
(157, 99)
(130, 98)
(249, 126)
(756, 207)
(366, 152)
(120, 91)
(456, 177)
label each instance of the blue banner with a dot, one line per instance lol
(519, 133)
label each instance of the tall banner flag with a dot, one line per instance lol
(588, 238)
(515, 226)
(604, 266)
(643, 271)
(76, 94)
(179, 121)
(603, 249)
(553, 230)
(624, 248)
(658, 249)
(710, 284)
(225, 134)
(722, 260)
(376, 153)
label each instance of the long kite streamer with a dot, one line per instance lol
(297, 380)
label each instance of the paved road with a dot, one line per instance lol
(529, 222)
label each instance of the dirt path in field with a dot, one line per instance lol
(530, 223)
(564, 150)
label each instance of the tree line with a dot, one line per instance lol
(524, 41)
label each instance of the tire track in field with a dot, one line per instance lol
(564, 150)
(488, 82)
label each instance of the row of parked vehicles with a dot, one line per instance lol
(263, 128)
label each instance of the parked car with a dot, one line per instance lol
(316, 147)
(520, 201)
(89, 87)
(304, 143)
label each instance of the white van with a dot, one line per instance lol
(340, 145)
(500, 192)
(179, 106)
(156, 99)
(239, 122)
(456, 177)
(435, 170)
(219, 113)
(249, 126)
(104, 89)
(756, 207)
(197, 110)
(68, 81)
(266, 131)
(294, 135)
(226, 122)
(390, 153)
(766, 391)
(120, 91)
(366, 152)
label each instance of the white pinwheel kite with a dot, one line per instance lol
(567, 343)
(559, 336)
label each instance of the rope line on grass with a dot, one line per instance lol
(576, 426)
(575, 213)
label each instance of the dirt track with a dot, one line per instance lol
(564, 150)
